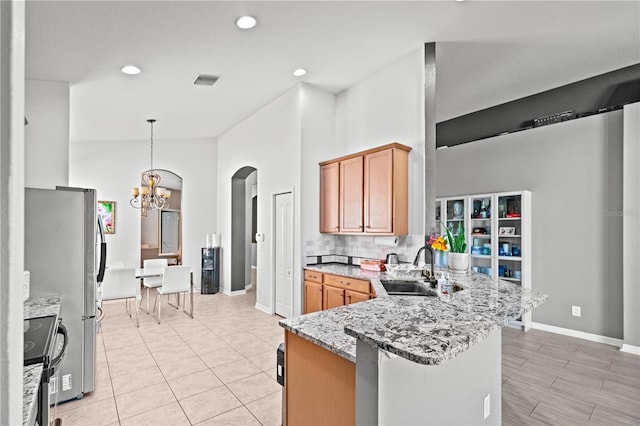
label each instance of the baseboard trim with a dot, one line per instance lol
(237, 292)
(635, 350)
(263, 308)
(248, 286)
(579, 334)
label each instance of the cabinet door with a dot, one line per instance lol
(329, 197)
(332, 297)
(312, 297)
(378, 191)
(354, 297)
(351, 198)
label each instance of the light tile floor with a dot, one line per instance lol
(219, 369)
(215, 369)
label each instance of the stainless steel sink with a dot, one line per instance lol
(413, 288)
(407, 288)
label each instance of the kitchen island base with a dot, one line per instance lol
(319, 385)
(409, 393)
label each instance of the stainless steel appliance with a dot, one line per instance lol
(61, 253)
(40, 348)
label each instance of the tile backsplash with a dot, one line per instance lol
(339, 248)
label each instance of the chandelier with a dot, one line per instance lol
(150, 196)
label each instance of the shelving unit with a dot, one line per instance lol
(454, 209)
(498, 235)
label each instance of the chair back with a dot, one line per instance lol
(176, 279)
(116, 264)
(120, 284)
(154, 265)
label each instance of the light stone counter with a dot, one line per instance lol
(426, 330)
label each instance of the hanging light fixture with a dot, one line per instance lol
(150, 196)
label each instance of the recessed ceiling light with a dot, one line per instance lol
(246, 22)
(130, 70)
(299, 72)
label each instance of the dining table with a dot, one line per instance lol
(142, 273)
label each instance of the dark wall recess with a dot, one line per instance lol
(602, 93)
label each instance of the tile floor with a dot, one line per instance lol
(215, 369)
(219, 369)
(550, 379)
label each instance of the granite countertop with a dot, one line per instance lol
(426, 330)
(36, 307)
(33, 308)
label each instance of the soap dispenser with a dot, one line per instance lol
(442, 281)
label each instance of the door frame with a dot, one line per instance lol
(273, 246)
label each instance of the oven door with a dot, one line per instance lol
(50, 376)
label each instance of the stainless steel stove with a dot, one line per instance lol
(40, 347)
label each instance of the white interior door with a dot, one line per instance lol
(284, 254)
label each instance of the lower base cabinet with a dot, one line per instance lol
(319, 385)
(332, 297)
(327, 291)
(312, 297)
(354, 297)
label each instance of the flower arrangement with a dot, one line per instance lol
(438, 243)
(456, 244)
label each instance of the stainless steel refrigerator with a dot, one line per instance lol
(65, 253)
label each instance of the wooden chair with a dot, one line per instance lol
(175, 280)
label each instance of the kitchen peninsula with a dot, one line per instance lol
(402, 359)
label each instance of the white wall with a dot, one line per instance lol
(113, 168)
(573, 170)
(47, 134)
(318, 136)
(631, 224)
(383, 108)
(281, 141)
(269, 141)
(250, 190)
(12, 104)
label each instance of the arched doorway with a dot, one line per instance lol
(243, 213)
(161, 230)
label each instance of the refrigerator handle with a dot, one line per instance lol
(103, 252)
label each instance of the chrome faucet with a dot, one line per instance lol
(417, 259)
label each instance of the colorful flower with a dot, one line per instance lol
(438, 243)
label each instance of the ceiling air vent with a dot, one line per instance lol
(205, 80)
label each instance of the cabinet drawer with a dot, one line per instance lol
(347, 283)
(314, 276)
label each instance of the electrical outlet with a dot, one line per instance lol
(487, 405)
(576, 311)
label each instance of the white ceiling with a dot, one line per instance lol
(488, 53)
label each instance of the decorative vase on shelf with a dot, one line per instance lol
(458, 262)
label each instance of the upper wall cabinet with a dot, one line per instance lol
(329, 198)
(366, 192)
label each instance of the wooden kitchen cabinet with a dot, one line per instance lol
(372, 194)
(312, 297)
(386, 192)
(354, 297)
(351, 196)
(320, 386)
(312, 291)
(332, 297)
(327, 291)
(330, 198)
